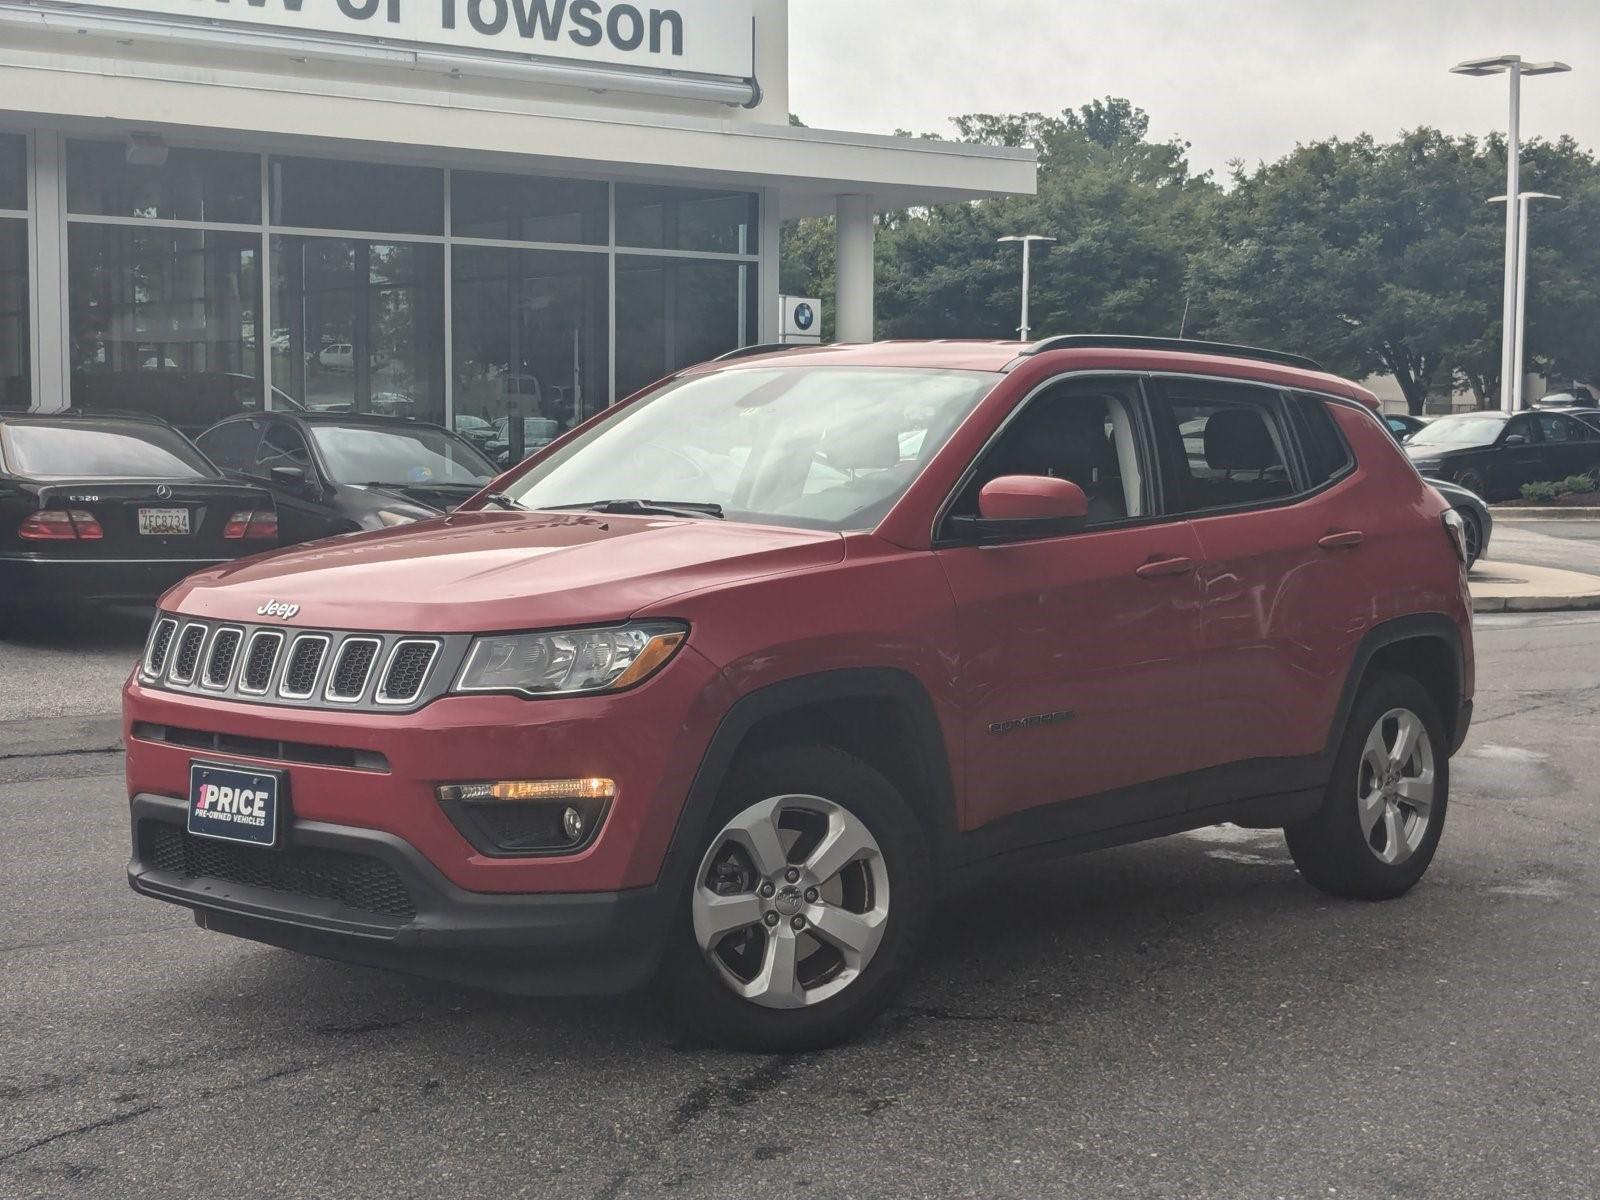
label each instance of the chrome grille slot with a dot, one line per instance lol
(224, 654)
(155, 655)
(352, 668)
(259, 661)
(406, 671)
(304, 665)
(187, 655)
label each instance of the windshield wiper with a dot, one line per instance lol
(664, 508)
(501, 500)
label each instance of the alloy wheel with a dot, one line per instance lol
(791, 901)
(1395, 786)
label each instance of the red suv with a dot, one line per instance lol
(726, 684)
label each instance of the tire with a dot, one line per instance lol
(1473, 480)
(1472, 532)
(800, 991)
(1366, 843)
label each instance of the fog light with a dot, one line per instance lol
(530, 789)
(572, 823)
(524, 817)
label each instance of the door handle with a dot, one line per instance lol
(1348, 540)
(1163, 567)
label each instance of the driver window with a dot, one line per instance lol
(281, 446)
(1081, 430)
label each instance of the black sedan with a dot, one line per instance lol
(335, 473)
(96, 508)
(1493, 454)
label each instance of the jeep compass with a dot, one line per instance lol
(724, 686)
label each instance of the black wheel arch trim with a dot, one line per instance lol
(1413, 627)
(792, 695)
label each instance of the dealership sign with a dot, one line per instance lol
(710, 37)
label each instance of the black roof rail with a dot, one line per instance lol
(79, 413)
(1119, 341)
(763, 348)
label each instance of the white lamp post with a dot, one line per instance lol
(1512, 65)
(1519, 330)
(1027, 241)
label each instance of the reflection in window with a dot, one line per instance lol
(15, 383)
(679, 312)
(666, 218)
(529, 208)
(13, 171)
(321, 193)
(192, 185)
(531, 341)
(164, 321)
(358, 326)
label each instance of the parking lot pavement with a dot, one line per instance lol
(1183, 1018)
(1566, 545)
(68, 663)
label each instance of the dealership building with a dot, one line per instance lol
(456, 210)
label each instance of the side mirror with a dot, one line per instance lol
(291, 479)
(1019, 507)
(1516, 439)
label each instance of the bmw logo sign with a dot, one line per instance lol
(804, 317)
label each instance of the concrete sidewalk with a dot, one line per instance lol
(1511, 587)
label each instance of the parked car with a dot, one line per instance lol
(476, 430)
(1569, 398)
(1494, 454)
(96, 508)
(340, 472)
(631, 715)
(1403, 425)
(1477, 523)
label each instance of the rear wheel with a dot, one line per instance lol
(1472, 478)
(805, 911)
(1384, 811)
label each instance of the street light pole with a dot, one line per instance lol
(1027, 241)
(1519, 336)
(1512, 65)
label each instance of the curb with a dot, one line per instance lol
(1505, 604)
(1550, 512)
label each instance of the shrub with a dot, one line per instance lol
(1572, 485)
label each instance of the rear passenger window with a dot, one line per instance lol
(1223, 445)
(1321, 444)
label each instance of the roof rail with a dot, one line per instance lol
(763, 348)
(1118, 341)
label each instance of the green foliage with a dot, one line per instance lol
(1374, 257)
(1572, 485)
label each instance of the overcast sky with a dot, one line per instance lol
(1237, 78)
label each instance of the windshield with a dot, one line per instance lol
(1458, 431)
(87, 452)
(812, 447)
(404, 457)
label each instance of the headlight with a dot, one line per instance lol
(1425, 465)
(570, 662)
(389, 517)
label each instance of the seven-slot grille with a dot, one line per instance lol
(298, 668)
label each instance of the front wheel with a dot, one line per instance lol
(804, 914)
(1384, 810)
(1472, 534)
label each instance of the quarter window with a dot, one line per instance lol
(1321, 444)
(1223, 445)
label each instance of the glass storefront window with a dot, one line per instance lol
(321, 193)
(531, 330)
(192, 185)
(13, 171)
(667, 218)
(164, 321)
(358, 326)
(679, 312)
(16, 385)
(523, 208)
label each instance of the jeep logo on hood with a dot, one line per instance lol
(277, 608)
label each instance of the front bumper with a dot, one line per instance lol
(29, 580)
(368, 897)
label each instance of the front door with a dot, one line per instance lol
(1077, 651)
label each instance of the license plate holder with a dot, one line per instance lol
(164, 522)
(237, 804)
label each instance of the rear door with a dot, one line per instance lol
(1258, 472)
(1078, 651)
(1568, 447)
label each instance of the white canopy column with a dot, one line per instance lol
(855, 231)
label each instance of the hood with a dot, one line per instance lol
(491, 570)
